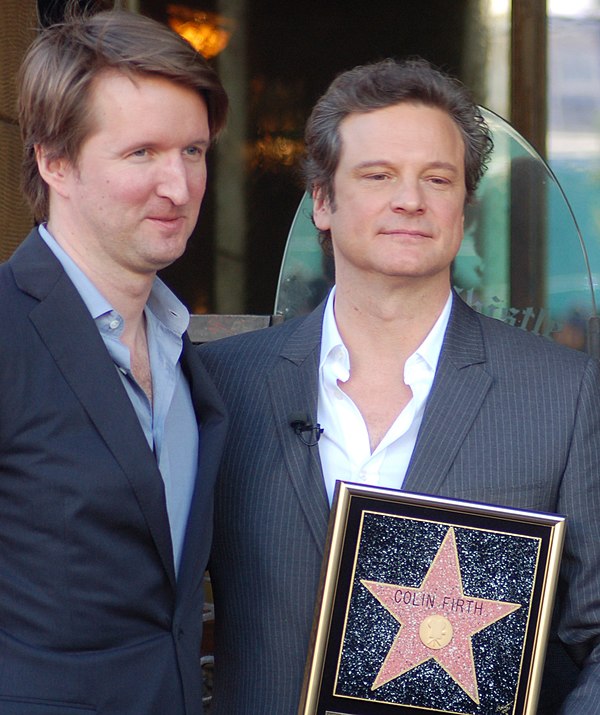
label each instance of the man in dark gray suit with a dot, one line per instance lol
(414, 391)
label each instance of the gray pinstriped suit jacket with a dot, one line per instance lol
(512, 419)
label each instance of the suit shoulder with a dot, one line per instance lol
(253, 339)
(14, 303)
(6, 276)
(253, 351)
(510, 342)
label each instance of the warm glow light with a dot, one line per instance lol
(271, 152)
(207, 32)
(499, 7)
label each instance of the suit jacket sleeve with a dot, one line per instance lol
(579, 590)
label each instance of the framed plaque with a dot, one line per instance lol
(431, 605)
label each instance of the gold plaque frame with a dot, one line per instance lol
(431, 605)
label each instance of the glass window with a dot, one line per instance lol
(574, 128)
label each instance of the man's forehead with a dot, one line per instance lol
(383, 126)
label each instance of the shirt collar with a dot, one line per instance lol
(162, 302)
(95, 302)
(334, 352)
(167, 308)
(431, 348)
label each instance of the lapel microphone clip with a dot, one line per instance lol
(302, 425)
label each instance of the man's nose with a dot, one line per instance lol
(407, 195)
(173, 181)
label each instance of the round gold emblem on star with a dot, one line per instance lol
(435, 632)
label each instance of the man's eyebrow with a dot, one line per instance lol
(152, 144)
(449, 166)
(371, 163)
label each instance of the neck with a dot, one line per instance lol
(387, 322)
(126, 290)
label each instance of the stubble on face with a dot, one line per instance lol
(399, 196)
(133, 197)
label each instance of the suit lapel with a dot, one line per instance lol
(71, 337)
(293, 388)
(210, 413)
(460, 386)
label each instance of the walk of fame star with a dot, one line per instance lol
(437, 620)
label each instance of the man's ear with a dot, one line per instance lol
(55, 171)
(321, 209)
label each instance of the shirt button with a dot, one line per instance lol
(114, 324)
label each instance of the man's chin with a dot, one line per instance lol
(162, 259)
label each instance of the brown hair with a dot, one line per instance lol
(59, 68)
(376, 86)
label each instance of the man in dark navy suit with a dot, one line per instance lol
(110, 429)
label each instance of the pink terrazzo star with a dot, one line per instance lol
(437, 621)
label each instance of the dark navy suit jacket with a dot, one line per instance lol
(92, 618)
(512, 419)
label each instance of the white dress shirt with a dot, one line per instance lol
(344, 446)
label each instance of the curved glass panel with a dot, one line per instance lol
(522, 259)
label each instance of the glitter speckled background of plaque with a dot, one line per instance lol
(400, 551)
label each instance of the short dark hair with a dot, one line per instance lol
(59, 68)
(383, 84)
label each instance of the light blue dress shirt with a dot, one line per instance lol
(169, 424)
